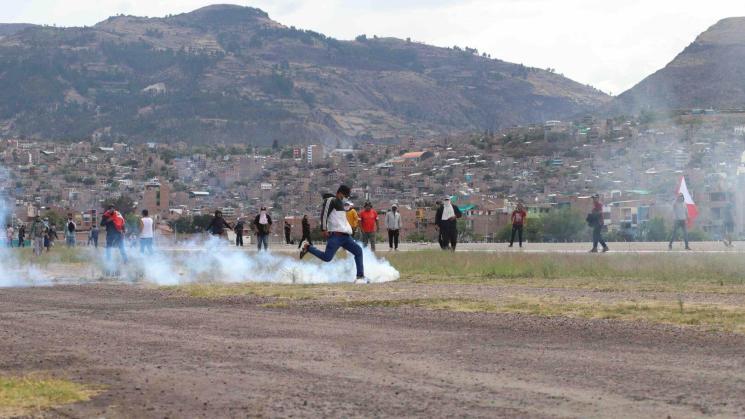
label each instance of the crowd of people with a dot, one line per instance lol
(341, 226)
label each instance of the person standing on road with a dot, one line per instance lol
(336, 229)
(38, 232)
(353, 218)
(238, 229)
(306, 231)
(369, 225)
(9, 233)
(680, 221)
(51, 235)
(70, 228)
(596, 222)
(519, 217)
(446, 220)
(21, 236)
(729, 224)
(288, 232)
(393, 225)
(94, 235)
(114, 223)
(263, 227)
(146, 233)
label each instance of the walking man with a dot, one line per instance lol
(597, 225)
(288, 232)
(263, 227)
(146, 233)
(680, 221)
(729, 224)
(113, 221)
(393, 225)
(9, 232)
(94, 235)
(446, 220)
(238, 229)
(336, 229)
(306, 231)
(369, 225)
(518, 221)
(38, 232)
(21, 236)
(70, 228)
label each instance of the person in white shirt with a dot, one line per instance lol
(146, 233)
(337, 231)
(393, 225)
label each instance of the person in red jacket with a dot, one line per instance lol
(518, 221)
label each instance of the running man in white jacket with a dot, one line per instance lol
(337, 231)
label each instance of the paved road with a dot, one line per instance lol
(159, 354)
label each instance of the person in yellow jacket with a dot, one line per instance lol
(352, 217)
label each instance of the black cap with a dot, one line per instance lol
(344, 190)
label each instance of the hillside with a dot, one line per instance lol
(710, 72)
(12, 28)
(230, 73)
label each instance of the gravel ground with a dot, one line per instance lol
(158, 354)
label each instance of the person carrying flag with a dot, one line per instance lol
(114, 223)
(680, 221)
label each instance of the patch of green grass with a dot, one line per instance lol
(59, 254)
(25, 395)
(711, 316)
(613, 272)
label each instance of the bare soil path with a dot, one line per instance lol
(162, 355)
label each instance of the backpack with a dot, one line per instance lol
(118, 221)
(71, 227)
(592, 219)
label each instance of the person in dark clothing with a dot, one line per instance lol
(238, 229)
(263, 227)
(21, 236)
(306, 231)
(597, 225)
(218, 225)
(288, 232)
(113, 222)
(94, 236)
(51, 237)
(518, 221)
(446, 220)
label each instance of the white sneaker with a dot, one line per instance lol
(362, 280)
(304, 248)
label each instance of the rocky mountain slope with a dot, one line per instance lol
(230, 73)
(710, 72)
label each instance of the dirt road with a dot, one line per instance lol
(161, 355)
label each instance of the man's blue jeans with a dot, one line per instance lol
(262, 239)
(115, 240)
(146, 244)
(333, 244)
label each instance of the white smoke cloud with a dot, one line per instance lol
(216, 260)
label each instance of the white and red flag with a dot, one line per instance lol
(692, 210)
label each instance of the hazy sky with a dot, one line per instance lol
(610, 44)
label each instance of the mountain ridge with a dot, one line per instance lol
(709, 72)
(230, 73)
